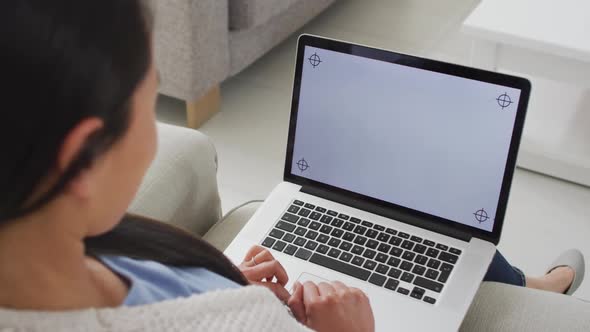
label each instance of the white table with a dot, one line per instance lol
(547, 41)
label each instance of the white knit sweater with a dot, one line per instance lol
(249, 308)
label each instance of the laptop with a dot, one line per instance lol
(397, 176)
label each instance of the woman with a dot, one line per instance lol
(74, 157)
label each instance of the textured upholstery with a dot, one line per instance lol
(180, 186)
(244, 14)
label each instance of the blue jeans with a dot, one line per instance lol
(501, 271)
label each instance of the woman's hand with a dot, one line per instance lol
(331, 307)
(261, 268)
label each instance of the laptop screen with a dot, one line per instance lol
(423, 140)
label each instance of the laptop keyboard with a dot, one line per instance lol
(398, 261)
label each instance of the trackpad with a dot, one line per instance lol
(310, 277)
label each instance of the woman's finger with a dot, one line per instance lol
(263, 256)
(253, 251)
(277, 289)
(267, 270)
(310, 293)
(339, 286)
(295, 303)
(326, 289)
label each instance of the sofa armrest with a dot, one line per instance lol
(191, 42)
(180, 186)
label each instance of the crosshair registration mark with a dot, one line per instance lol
(481, 215)
(302, 165)
(504, 101)
(315, 60)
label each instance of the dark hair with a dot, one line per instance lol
(62, 61)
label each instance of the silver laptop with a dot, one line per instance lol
(397, 176)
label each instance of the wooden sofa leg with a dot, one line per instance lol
(199, 111)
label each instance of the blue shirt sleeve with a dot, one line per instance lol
(151, 282)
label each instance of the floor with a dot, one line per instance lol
(545, 215)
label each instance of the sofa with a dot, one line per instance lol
(180, 188)
(200, 43)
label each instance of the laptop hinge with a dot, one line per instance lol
(401, 216)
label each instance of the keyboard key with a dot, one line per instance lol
(279, 246)
(346, 257)
(337, 232)
(428, 284)
(455, 251)
(421, 260)
(286, 226)
(394, 273)
(417, 293)
(346, 246)
(382, 269)
(446, 267)
(407, 277)
(383, 237)
(268, 242)
(419, 248)
(369, 265)
(408, 255)
(360, 230)
(396, 241)
(315, 216)
(326, 229)
(395, 251)
(334, 253)
(416, 238)
(372, 244)
(391, 284)
(418, 270)
(357, 250)
(383, 247)
(289, 238)
(348, 226)
(377, 279)
(445, 272)
(450, 258)
(367, 223)
(407, 266)
(428, 243)
(311, 245)
(303, 254)
(430, 300)
(408, 245)
(358, 260)
(332, 213)
(300, 203)
(300, 241)
(300, 231)
(290, 250)
(442, 247)
(278, 234)
(304, 213)
(326, 219)
(379, 228)
(312, 235)
(391, 231)
(381, 258)
(293, 209)
(337, 222)
(403, 235)
(334, 242)
(303, 222)
(371, 233)
(402, 290)
(431, 274)
(360, 240)
(315, 225)
(393, 261)
(320, 209)
(323, 249)
(355, 220)
(433, 263)
(309, 206)
(432, 252)
(340, 266)
(369, 253)
(348, 236)
(343, 216)
(323, 238)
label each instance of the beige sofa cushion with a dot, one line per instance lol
(245, 14)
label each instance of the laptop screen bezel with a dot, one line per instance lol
(435, 222)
